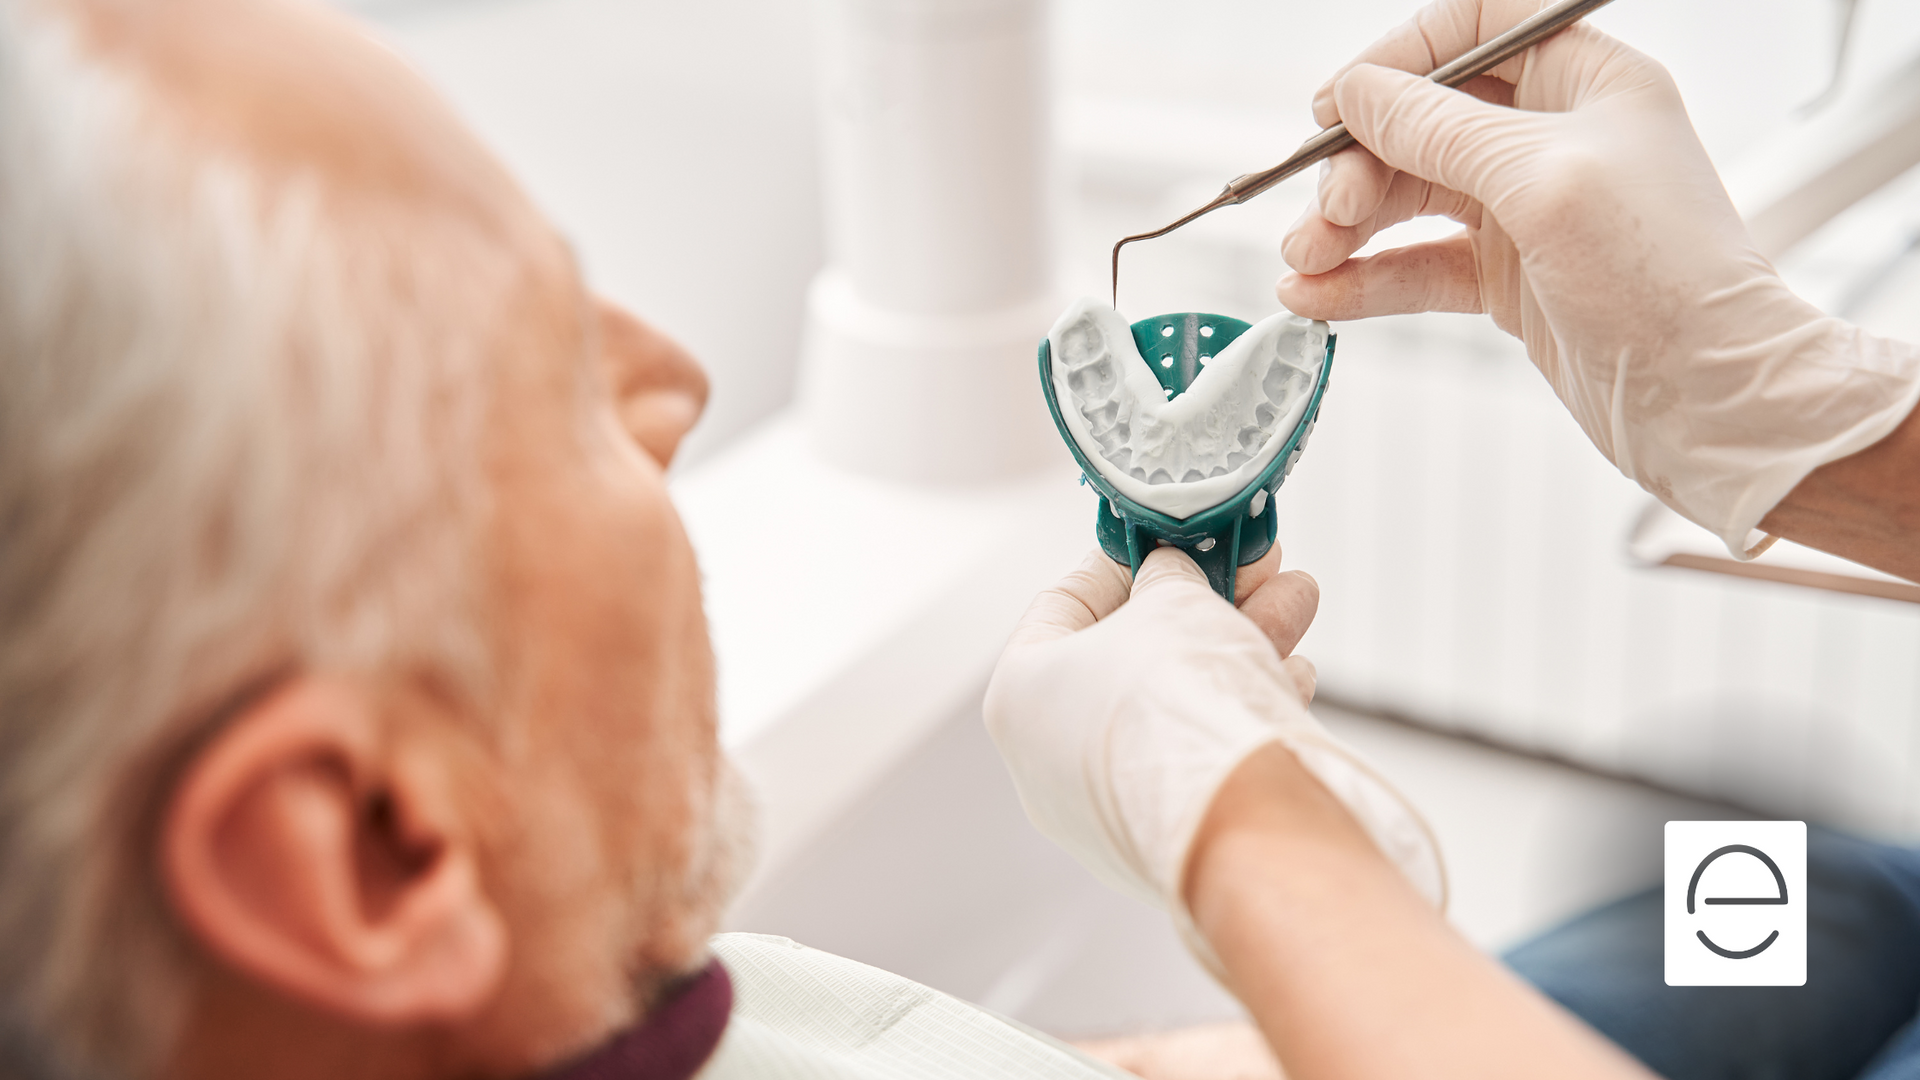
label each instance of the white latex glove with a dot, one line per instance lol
(1598, 232)
(1120, 718)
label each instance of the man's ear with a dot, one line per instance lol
(303, 851)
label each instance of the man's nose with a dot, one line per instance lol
(658, 388)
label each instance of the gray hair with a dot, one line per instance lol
(237, 434)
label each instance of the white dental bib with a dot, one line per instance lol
(1180, 455)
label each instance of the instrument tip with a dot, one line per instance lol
(1225, 198)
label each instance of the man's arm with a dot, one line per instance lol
(1348, 971)
(1865, 507)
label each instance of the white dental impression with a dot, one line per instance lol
(1197, 450)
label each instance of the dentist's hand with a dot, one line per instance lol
(1596, 231)
(1122, 710)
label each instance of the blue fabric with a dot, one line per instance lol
(1853, 1020)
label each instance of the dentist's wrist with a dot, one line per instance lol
(1864, 507)
(1347, 969)
(1274, 836)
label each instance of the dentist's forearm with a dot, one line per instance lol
(1865, 507)
(1348, 971)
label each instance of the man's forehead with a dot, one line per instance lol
(296, 89)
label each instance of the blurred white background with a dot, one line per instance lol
(674, 142)
(1468, 540)
(1467, 537)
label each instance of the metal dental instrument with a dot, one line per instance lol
(1478, 62)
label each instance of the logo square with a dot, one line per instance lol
(1736, 903)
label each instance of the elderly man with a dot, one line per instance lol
(356, 706)
(355, 693)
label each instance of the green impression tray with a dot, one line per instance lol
(1222, 537)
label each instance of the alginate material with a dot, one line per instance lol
(1184, 454)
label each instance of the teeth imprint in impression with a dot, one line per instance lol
(1186, 454)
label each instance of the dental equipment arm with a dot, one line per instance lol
(1598, 232)
(1348, 971)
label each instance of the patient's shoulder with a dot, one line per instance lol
(802, 1012)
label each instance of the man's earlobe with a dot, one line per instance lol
(306, 854)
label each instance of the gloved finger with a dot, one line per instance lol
(1168, 568)
(1420, 127)
(1440, 275)
(1090, 593)
(1255, 574)
(1283, 608)
(1434, 35)
(1490, 90)
(1315, 245)
(1353, 184)
(1306, 678)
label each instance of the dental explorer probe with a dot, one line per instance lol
(1471, 65)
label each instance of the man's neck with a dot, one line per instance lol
(672, 1043)
(239, 1030)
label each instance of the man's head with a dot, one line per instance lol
(356, 706)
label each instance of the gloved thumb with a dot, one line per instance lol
(1167, 569)
(1436, 133)
(1090, 593)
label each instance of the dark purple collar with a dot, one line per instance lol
(671, 1043)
